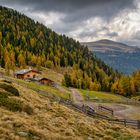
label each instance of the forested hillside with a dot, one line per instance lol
(26, 42)
(128, 85)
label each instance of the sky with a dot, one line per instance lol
(85, 20)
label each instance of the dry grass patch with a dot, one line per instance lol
(53, 121)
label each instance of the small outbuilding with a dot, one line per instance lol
(46, 81)
(26, 73)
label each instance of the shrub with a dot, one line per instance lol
(4, 94)
(11, 104)
(15, 105)
(9, 88)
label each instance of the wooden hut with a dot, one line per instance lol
(26, 73)
(46, 81)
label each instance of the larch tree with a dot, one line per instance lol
(21, 60)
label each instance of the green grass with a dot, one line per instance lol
(66, 88)
(46, 88)
(101, 95)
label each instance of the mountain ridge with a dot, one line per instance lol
(105, 45)
(118, 55)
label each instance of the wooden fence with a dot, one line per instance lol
(89, 111)
(106, 110)
(127, 122)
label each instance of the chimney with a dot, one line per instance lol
(30, 68)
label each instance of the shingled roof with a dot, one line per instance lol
(44, 78)
(24, 71)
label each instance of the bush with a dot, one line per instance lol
(4, 94)
(10, 89)
(15, 105)
(11, 104)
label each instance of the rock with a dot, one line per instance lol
(89, 138)
(23, 134)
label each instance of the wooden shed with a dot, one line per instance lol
(46, 81)
(26, 73)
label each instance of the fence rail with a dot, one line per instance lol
(126, 101)
(89, 111)
(106, 109)
(126, 122)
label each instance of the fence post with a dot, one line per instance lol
(112, 113)
(125, 122)
(138, 125)
(99, 107)
(83, 108)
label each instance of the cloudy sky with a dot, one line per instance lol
(85, 20)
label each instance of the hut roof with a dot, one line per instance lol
(24, 71)
(44, 78)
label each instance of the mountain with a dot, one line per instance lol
(26, 42)
(110, 46)
(120, 56)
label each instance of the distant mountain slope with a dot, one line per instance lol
(118, 55)
(109, 46)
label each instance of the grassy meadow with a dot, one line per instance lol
(101, 95)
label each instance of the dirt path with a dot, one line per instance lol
(121, 111)
(77, 97)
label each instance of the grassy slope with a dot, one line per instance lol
(53, 121)
(46, 88)
(101, 95)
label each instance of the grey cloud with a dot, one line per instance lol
(88, 33)
(76, 12)
(112, 34)
(73, 7)
(136, 36)
(100, 31)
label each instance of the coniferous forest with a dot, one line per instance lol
(26, 42)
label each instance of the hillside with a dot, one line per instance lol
(26, 42)
(33, 116)
(120, 56)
